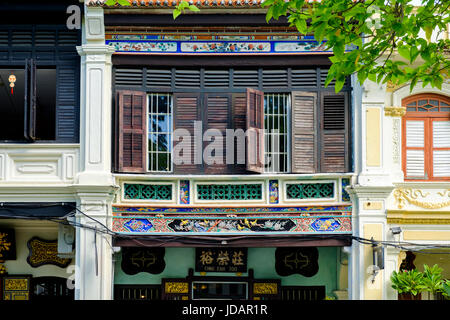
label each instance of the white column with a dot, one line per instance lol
(94, 270)
(94, 185)
(96, 106)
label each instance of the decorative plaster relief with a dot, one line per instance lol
(416, 197)
(393, 111)
(43, 165)
(396, 141)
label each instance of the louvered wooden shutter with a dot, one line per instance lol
(187, 109)
(67, 103)
(255, 131)
(218, 111)
(132, 126)
(239, 121)
(31, 100)
(441, 148)
(334, 138)
(414, 151)
(303, 153)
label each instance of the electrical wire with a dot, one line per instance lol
(211, 240)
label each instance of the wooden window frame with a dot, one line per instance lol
(428, 117)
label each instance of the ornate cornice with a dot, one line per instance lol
(418, 217)
(394, 111)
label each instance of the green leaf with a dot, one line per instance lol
(404, 52)
(193, 8)
(339, 85)
(123, 2)
(110, 2)
(176, 13)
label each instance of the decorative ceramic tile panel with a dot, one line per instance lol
(230, 225)
(145, 210)
(273, 192)
(184, 192)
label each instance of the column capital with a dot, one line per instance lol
(95, 50)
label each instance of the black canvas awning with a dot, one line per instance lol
(41, 210)
(235, 241)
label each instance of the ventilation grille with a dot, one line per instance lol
(245, 78)
(159, 78)
(187, 78)
(275, 78)
(67, 38)
(45, 38)
(22, 38)
(229, 192)
(217, 78)
(172, 78)
(29, 38)
(334, 112)
(304, 78)
(128, 77)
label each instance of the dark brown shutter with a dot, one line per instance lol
(304, 119)
(30, 100)
(132, 126)
(255, 131)
(239, 121)
(218, 112)
(187, 109)
(334, 144)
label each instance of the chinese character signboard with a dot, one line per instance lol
(7, 245)
(221, 260)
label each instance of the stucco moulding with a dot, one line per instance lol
(422, 199)
(394, 111)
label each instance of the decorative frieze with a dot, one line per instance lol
(417, 197)
(393, 111)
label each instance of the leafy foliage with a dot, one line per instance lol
(433, 278)
(182, 6)
(379, 29)
(408, 281)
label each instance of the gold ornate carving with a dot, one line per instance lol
(394, 111)
(2, 268)
(411, 196)
(265, 288)
(177, 287)
(391, 87)
(45, 252)
(16, 284)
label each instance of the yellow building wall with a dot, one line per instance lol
(373, 137)
(372, 291)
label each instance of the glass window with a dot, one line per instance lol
(276, 129)
(12, 101)
(160, 132)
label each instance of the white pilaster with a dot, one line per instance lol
(94, 185)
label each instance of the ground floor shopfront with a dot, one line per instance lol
(237, 273)
(31, 268)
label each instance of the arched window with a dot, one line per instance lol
(426, 137)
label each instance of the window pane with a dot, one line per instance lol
(12, 104)
(160, 132)
(45, 103)
(276, 131)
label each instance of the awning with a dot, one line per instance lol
(235, 241)
(41, 210)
